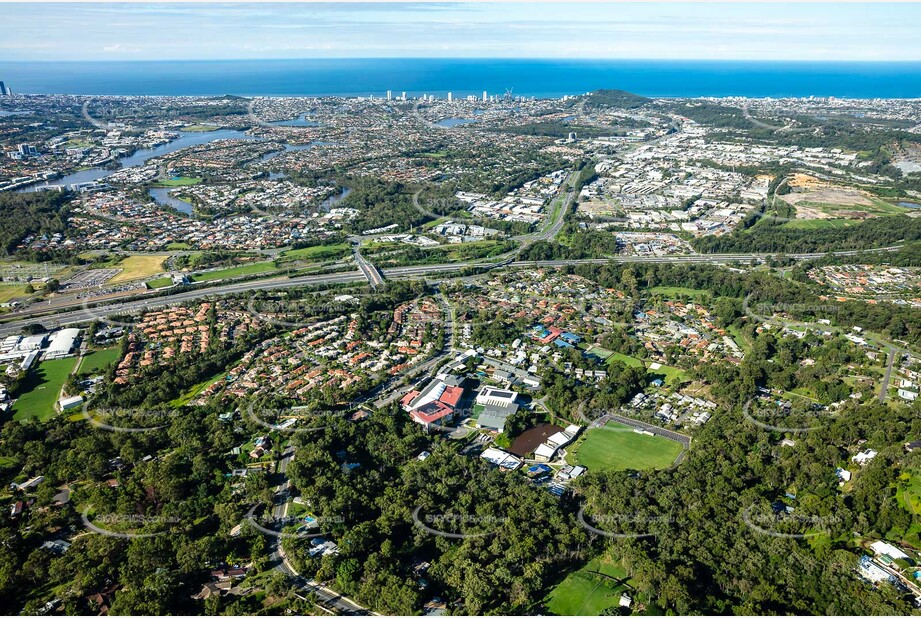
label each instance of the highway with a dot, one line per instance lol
(38, 314)
(369, 270)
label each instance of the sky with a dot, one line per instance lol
(211, 31)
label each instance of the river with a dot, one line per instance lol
(161, 196)
(300, 121)
(143, 155)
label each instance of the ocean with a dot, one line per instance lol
(539, 78)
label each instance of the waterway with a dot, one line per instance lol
(300, 121)
(335, 199)
(454, 122)
(161, 196)
(143, 155)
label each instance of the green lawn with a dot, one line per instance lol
(910, 493)
(673, 291)
(160, 282)
(235, 271)
(815, 224)
(672, 374)
(181, 181)
(41, 388)
(318, 252)
(97, 361)
(587, 592)
(193, 392)
(10, 291)
(627, 360)
(618, 447)
(740, 340)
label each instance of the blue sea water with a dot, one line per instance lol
(541, 78)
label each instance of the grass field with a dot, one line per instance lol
(11, 291)
(672, 374)
(627, 360)
(740, 340)
(618, 447)
(318, 252)
(162, 282)
(41, 388)
(200, 128)
(193, 392)
(139, 266)
(181, 181)
(585, 592)
(97, 361)
(911, 492)
(673, 291)
(235, 271)
(816, 224)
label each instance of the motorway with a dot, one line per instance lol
(369, 270)
(82, 314)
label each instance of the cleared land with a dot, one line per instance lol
(139, 266)
(588, 591)
(41, 388)
(618, 447)
(823, 204)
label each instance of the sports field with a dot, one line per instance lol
(588, 591)
(40, 390)
(618, 447)
(180, 181)
(97, 361)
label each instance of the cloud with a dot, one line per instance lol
(118, 48)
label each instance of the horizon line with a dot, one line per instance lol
(476, 58)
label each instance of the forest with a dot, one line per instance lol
(38, 213)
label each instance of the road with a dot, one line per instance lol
(326, 596)
(884, 389)
(371, 272)
(383, 394)
(559, 216)
(80, 314)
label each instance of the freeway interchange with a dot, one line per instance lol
(76, 312)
